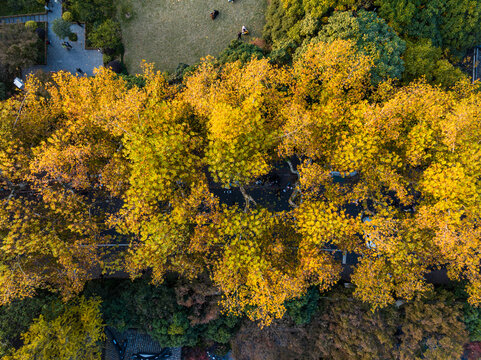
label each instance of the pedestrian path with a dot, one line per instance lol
(59, 58)
(23, 19)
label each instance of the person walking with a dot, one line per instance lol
(68, 44)
(47, 9)
(214, 14)
(79, 70)
(239, 36)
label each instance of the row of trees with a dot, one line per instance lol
(408, 39)
(333, 325)
(87, 161)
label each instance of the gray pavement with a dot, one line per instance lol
(59, 58)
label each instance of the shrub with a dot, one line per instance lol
(67, 16)
(107, 35)
(115, 66)
(32, 25)
(61, 28)
(133, 80)
(106, 58)
(239, 50)
(41, 33)
(301, 309)
(73, 37)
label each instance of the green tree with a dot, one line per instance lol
(372, 36)
(92, 11)
(107, 35)
(424, 59)
(61, 28)
(449, 24)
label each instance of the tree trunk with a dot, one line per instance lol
(248, 199)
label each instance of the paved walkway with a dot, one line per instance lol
(59, 58)
(23, 19)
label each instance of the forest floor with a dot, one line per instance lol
(169, 32)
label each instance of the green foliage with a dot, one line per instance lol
(73, 37)
(221, 329)
(278, 22)
(133, 80)
(61, 28)
(239, 50)
(373, 37)
(299, 20)
(452, 24)
(303, 308)
(107, 36)
(15, 7)
(67, 16)
(92, 11)
(472, 319)
(178, 75)
(106, 58)
(424, 59)
(156, 310)
(31, 25)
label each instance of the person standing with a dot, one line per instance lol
(239, 36)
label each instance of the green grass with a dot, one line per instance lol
(169, 32)
(8, 8)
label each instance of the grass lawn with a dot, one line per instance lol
(169, 32)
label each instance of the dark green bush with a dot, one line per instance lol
(239, 50)
(73, 37)
(302, 309)
(107, 36)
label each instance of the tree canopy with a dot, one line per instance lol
(87, 161)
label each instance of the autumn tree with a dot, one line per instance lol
(239, 108)
(60, 165)
(432, 329)
(347, 329)
(73, 333)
